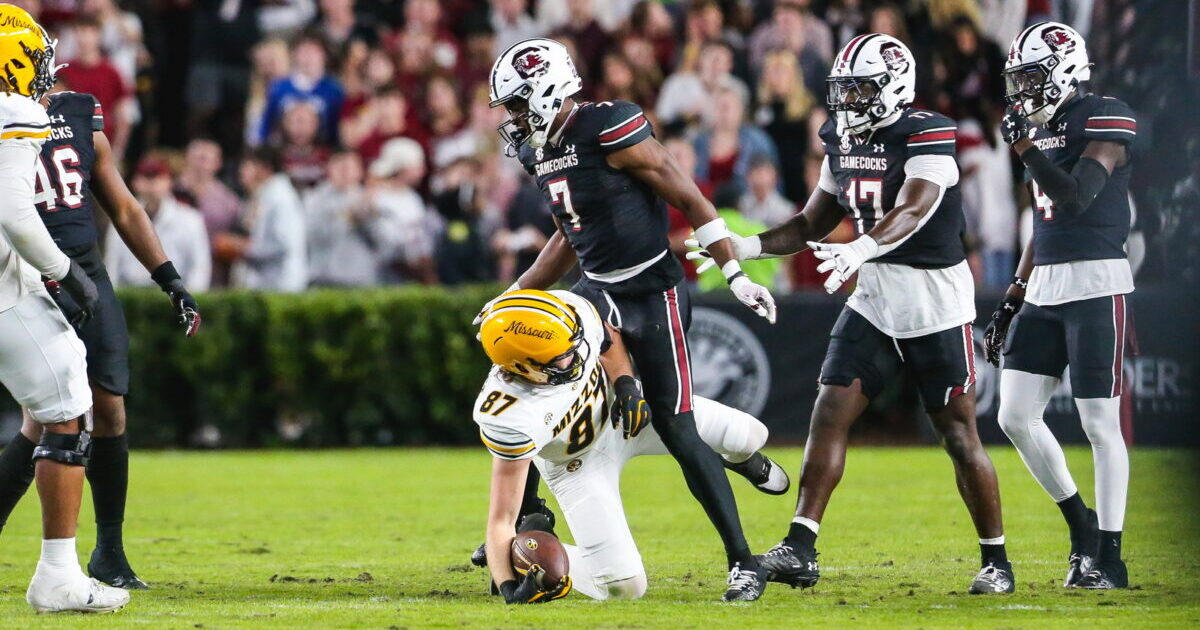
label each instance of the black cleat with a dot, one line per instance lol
(763, 472)
(479, 556)
(745, 586)
(109, 565)
(1105, 574)
(1080, 564)
(788, 565)
(1083, 552)
(993, 579)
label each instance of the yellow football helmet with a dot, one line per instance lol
(534, 336)
(26, 54)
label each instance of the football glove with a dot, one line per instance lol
(80, 288)
(757, 297)
(842, 260)
(528, 591)
(630, 409)
(744, 248)
(1015, 126)
(997, 329)
(185, 305)
(488, 306)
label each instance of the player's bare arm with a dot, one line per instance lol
(917, 198)
(127, 215)
(630, 410)
(821, 214)
(650, 163)
(133, 224)
(552, 263)
(504, 503)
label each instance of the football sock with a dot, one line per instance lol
(991, 551)
(16, 473)
(108, 474)
(1023, 398)
(1110, 546)
(705, 477)
(802, 533)
(1101, 418)
(58, 556)
(1075, 511)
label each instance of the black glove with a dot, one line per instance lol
(630, 408)
(169, 281)
(80, 288)
(528, 591)
(1014, 126)
(997, 330)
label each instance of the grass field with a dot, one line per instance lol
(380, 539)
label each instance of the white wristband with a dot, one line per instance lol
(731, 269)
(712, 232)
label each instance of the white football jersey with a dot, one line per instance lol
(24, 126)
(518, 420)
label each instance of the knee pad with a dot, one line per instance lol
(72, 449)
(629, 588)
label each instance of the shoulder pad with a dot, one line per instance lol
(927, 133)
(615, 125)
(22, 118)
(828, 132)
(1110, 119)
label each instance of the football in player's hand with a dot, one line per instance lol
(543, 549)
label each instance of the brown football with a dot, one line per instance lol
(544, 550)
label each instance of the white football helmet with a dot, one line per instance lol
(540, 73)
(1045, 62)
(873, 79)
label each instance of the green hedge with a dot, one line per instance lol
(323, 368)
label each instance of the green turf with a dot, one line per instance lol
(380, 539)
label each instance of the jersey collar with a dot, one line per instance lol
(558, 134)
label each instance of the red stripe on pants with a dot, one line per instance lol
(681, 353)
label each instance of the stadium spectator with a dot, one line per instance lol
(847, 18)
(794, 29)
(303, 152)
(309, 81)
(120, 38)
(650, 22)
(619, 81)
(395, 175)
(511, 23)
(217, 204)
(987, 183)
(376, 73)
(268, 245)
(180, 229)
(462, 252)
(339, 24)
(725, 150)
(762, 202)
(218, 81)
(582, 28)
(444, 119)
(686, 96)
(90, 72)
(272, 63)
(528, 225)
(285, 18)
(789, 113)
(382, 118)
(350, 241)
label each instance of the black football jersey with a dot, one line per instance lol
(1100, 232)
(869, 171)
(64, 169)
(616, 224)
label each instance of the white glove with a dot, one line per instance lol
(843, 259)
(487, 307)
(757, 297)
(744, 248)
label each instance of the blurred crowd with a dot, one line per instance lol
(287, 144)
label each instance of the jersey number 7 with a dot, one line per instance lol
(560, 193)
(63, 168)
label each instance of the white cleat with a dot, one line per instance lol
(49, 593)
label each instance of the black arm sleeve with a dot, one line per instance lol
(1071, 192)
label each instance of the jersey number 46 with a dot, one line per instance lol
(58, 180)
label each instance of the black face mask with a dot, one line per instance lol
(1026, 82)
(853, 94)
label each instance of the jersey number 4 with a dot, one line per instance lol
(560, 193)
(58, 180)
(1042, 202)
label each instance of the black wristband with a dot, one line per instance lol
(164, 274)
(739, 274)
(1020, 282)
